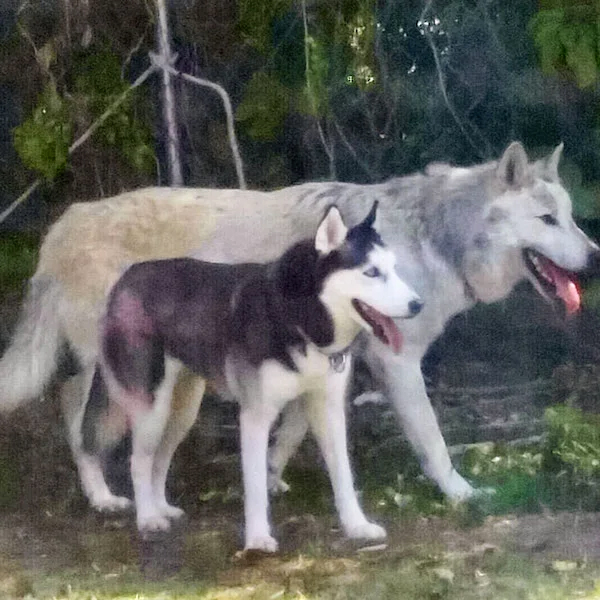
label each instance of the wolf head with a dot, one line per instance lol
(526, 231)
(359, 284)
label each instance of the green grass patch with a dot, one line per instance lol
(424, 575)
(18, 257)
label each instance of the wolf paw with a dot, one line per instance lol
(153, 523)
(263, 543)
(111, 504)
(457, 488)
(277, 485)
(366, 531)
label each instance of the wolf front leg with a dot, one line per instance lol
(325, 409)
(405, 386)
(89, 466)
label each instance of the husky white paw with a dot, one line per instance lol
(153, 523)
(171, 512)
(366, 531)
(111, 504)
(264, 543)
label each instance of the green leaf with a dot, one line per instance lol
(264, 107)
(256, 18)
(581, 58)
(42, 141)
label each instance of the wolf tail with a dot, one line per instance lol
(31, 359)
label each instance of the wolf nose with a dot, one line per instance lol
(592, 268)
(415, 306)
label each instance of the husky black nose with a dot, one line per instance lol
(414, 307)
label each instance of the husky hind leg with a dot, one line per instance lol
(187, 397)
(325, 408)
(148, 429)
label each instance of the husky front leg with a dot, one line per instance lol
(326, 412)
(405, 386)
(255, 423)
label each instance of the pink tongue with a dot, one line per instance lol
(391, 333)
(566, 288)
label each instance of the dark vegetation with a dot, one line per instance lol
(360, 91)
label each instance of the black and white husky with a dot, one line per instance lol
(262, 334)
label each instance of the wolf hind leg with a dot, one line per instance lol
(288, 437)
(187, 397)
(325, 409)
(148, 428)
(73, 395)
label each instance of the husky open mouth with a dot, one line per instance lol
(383, 326)
(553, 281)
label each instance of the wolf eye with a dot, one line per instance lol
(372, 272)
(549, 220)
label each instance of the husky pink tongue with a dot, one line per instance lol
(383, 326)
(391, 334)
(567, 288)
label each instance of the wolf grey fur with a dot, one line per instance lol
(459, 234)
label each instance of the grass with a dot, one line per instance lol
(435, 550)
(18, 257)
(424, 574)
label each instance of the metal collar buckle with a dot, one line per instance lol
(338, 361)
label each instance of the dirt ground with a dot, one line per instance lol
(34, 549)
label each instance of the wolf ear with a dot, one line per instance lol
(551, 166)
(513, 168)
(331, 232)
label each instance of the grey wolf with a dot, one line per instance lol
(461, 235)
(263, 334)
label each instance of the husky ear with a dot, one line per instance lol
(331, 233)
(513, 168)
(370, 219)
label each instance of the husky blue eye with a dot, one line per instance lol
(549, 220)
(372, 272)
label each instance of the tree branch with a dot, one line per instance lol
(237, 158)
(81, 140)
(442, 80)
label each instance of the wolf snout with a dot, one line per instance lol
(415, 306)
(592, 268)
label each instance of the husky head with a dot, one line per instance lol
(360, 286)
(526, 231)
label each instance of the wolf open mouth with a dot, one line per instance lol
(553, 281)
(383, 326)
